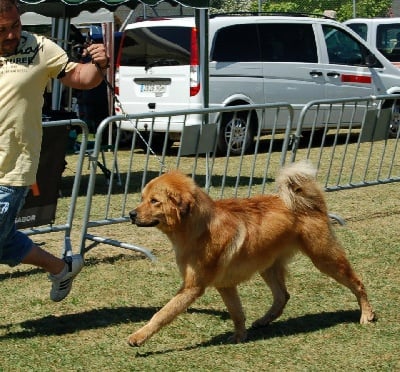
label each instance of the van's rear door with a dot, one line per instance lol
(154, 68)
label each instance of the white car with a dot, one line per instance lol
(252, 60)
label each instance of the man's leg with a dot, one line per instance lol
(41, 258)
(16, 247)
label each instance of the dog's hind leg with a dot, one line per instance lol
(274, 276)
(232, 301)
(329, 257)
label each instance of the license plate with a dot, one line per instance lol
(153, 88)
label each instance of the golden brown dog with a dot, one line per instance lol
(222, 243)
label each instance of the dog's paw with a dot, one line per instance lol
(136, 339)
(237, 337)
(262, 322)
(268, 318)
(368, 317)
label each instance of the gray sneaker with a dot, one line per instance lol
(62, 286)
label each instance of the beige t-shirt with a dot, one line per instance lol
(23, 79)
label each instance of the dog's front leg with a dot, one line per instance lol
(177, 305)
(232, 302)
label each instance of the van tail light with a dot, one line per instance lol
(116, 81)
(118, 64)
(194, 64)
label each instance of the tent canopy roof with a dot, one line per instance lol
(85, 17)
(72, 8)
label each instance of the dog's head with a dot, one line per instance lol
(166, 200)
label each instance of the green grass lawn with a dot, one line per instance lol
(118, 291)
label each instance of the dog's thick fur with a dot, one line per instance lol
(222, 243)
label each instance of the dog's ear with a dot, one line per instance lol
(182, 203)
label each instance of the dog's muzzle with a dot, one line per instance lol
(135, 220)
(132, 216)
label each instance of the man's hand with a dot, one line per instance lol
(88, 75)
(98, 54)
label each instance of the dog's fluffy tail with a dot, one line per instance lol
(298, 188)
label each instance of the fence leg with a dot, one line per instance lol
(337, 218)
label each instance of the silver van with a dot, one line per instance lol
(253, 60)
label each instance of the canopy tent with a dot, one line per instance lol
(85, 17)
(71, 8)
(64, 10)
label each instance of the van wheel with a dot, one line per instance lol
(233, 133)
(394, 123)
(393, 129)
(394, 120)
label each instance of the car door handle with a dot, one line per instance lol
(315, 74)
(333, 74)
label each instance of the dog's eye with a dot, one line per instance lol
(153, 201)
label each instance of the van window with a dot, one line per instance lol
(238, 43)
(388, 41)
(359, 28)
(265, 42)
(156, 46)
(342, 48)
(288, 43)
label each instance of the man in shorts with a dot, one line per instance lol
(27, 62)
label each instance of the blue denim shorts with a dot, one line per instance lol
(14, 245)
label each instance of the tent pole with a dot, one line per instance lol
(60, 30)
(201, 16)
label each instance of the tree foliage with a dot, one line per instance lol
(224, 6)
(344, 8)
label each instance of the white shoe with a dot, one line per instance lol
(62, 286)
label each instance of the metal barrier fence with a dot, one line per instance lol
(67, 226)
(350, 141)
(221, 175)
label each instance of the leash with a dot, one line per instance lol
(80, 48)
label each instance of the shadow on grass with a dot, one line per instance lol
(135, 182)
(105, 317)
(94, 319)
(101, 186)
(302, 325)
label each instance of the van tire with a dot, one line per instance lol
(236, 126)
(394, 121)
(393, 130)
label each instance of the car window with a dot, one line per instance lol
(237, 43)
(388, 41)
(360, 28)
(288, 43)
(342, 48)
(152, 46)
